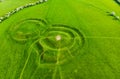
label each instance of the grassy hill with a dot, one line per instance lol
(59, 39)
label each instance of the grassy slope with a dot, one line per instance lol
(8, 5)
(101, 58)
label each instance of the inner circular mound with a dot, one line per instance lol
(57, 40)
(62, 37)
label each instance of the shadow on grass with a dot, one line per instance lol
(117, 1)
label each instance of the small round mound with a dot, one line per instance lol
(28, 29)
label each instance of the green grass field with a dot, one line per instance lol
(60, 39)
